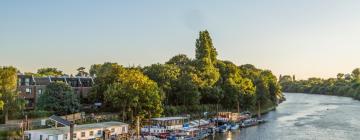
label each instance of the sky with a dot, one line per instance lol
(308, 38)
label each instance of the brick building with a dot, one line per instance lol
(31, 87)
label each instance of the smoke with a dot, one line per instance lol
(194, 20)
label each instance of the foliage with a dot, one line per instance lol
(343, 85)
(180, 60)
(49, 72)
(165, 75)
(59, 98)
(82, 72)
(135, 93)
(9, 100)
(106, 74)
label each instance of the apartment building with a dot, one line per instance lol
(31, 87)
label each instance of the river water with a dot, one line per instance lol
(305, 117)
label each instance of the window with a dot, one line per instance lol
(99, 132)
(27, 81)
(74, 135)
(123, 129)
(91, 133)
(82, 134)
(41, 137)
(19, 82)
(65, 136)
(39, 91)
(28, 90)
(112, 129)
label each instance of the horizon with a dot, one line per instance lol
(302, 38)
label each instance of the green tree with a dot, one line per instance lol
(262, 93)
(9, 100)
(165, 75)
(340, 76)
(142, 96)
(94, 69)
(180, 60)
(356, 73)
(106, 74)
(82, 72)
(206, 59)
(186, 90)
(207, 74)
(49, 72)
(59, 98)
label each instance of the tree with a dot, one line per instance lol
(262, 93)
(180, 60)
(94, 69)
(186, 90)
(82, 72)
(59, 98)
(9, 100)
(165, 75)
(206, 59)
(49, 72)
(356, 73)
(106, 74)
(340, 76)
(142, 96)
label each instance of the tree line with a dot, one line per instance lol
(343, 85)
(158, 89)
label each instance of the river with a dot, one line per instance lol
(305, 117)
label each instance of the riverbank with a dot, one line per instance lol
(343, 95)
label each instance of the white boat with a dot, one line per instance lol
(234, 127)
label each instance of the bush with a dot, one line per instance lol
(39, 114)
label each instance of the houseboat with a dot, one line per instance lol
(161, 127)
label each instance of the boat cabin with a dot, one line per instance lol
(170, 123)
(230, 116)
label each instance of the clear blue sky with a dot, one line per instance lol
(302, 37)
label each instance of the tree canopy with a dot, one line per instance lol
(135, 93)
(59, 98)
(49, 72)
(9, 100)
(343, 85)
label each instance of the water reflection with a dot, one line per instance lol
(306, 117)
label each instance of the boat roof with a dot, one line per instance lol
(64, 130)
(168, 118)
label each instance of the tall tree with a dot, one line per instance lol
(262, 93)
(206, 59)
(9, 100)
(207, 73)
(59, 98)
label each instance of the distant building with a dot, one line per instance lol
(111, 130)
(31, 87)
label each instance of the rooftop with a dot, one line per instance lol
(64, 130)
(168, 118)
